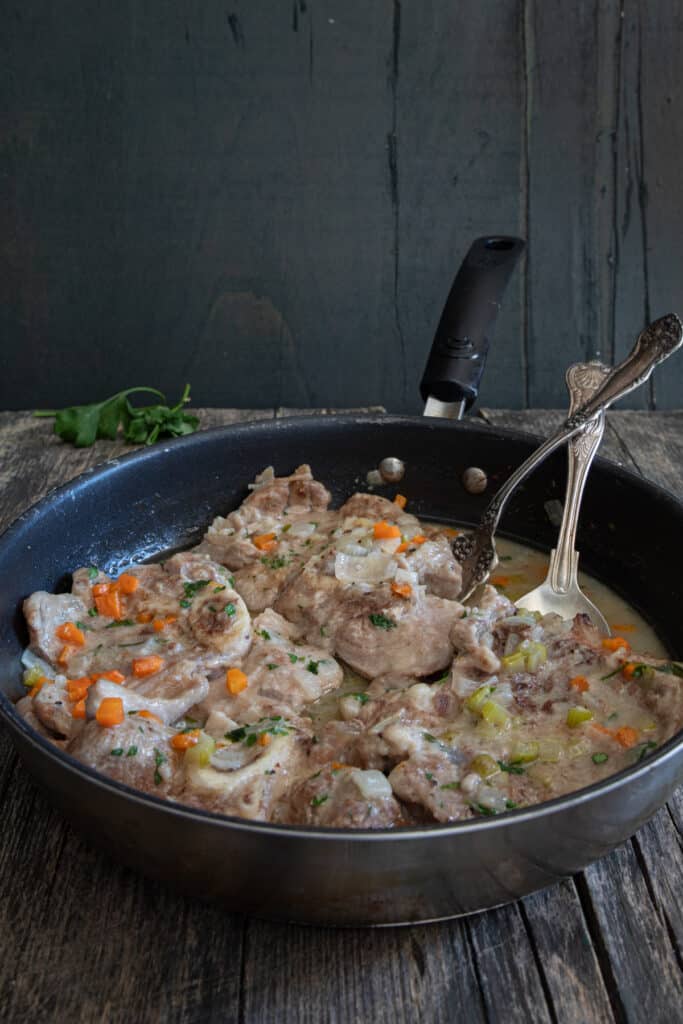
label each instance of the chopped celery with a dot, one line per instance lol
(484, 765)
(523, 752)
(475, 700)
(495, 714)
(535, 655)
(32, 676)
(199, 754)
(515, 662)
(577, 716)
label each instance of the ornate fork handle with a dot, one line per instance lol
(583, 380)
(658, 341)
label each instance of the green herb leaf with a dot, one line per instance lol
(599, 758)
(380, 621)
(217, 590)
(185, 604)
(318, 800)
(92, 612)
(117, 751)
(293, 658)
(512, 767)
(313, 667)
(230, 609)
(83, 424)
(430, 739)
(270, 666)
(159, 759)
(645, 749)
(429, 776)
(131, 752)
(450, 785)
(93, 572)
(264, 634)
(192, 588)
(362, 698)
(119, 622)
(274, 561)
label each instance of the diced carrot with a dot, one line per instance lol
(385, 531)
(149, 714)
(418, 540)
(70, 634)
(78, 688)
(109, 603)
(144, 617)
(78, 710)
(500, 581)
(170, 619)
(264, 541)
(99, 589)
(264, 739)
(38, 685)
(127, 583)
(158, 625)
(579, 683)
(402, 547)
(147, 666)
(337, 766)
(401, 589)
(450, 532)
(185, 740)
(235, 680)
(65, 653)
(614, 643)
(113, 676)
(623, 627)
(110, 712)
(602, 729)
(400, 500)
(628, 669)
(627, 736)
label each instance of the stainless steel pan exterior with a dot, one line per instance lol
(162, 498)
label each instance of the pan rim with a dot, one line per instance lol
(15, 723)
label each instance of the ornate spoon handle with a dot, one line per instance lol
(658, 341)
(583, 380)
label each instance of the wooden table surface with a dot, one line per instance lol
(87, 940)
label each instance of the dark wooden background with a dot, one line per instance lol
(269, 198)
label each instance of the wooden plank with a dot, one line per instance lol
(385, 976)
(571, 112)
(637, 955)
(457, 146)
(567, 957)
(650, 168)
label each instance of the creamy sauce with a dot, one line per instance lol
(520, 570)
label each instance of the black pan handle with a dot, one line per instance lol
(458, 355)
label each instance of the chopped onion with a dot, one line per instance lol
(374, 567)
(406, 576)
(491, 798)
(302, 529)
(229, 759)
(30, 660)
(372, 784)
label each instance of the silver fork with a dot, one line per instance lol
(560, 592)
(476, 551)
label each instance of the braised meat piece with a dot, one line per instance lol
(340, 796)
(136, 752)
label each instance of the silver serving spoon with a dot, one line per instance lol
(476, 551)
(560, 592)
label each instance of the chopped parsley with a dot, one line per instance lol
(217, 590)
(430, 739)
(274, 561)
(513, 767)
(271, 665)
(93, 573)
(119, 622)
(293, 658)
(313, 667)
(185, 604)
(380, 621)
(450, 785)
(131, 752)
(263, 633)
(510, 804)
(212, 608)
(159, 759)
(191, 589)
(116, 752)
(248, 734)
(82, 625)
(318, 800)
(92, 612)
(230, 609)
(323, 631)
(362, 698)
(599, 758)
(488, 812)
(645, 749)
(287, 526)
(429, 776)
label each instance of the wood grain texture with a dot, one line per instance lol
(88, 940)
(271, 199)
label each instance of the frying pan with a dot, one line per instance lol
(162, 499)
